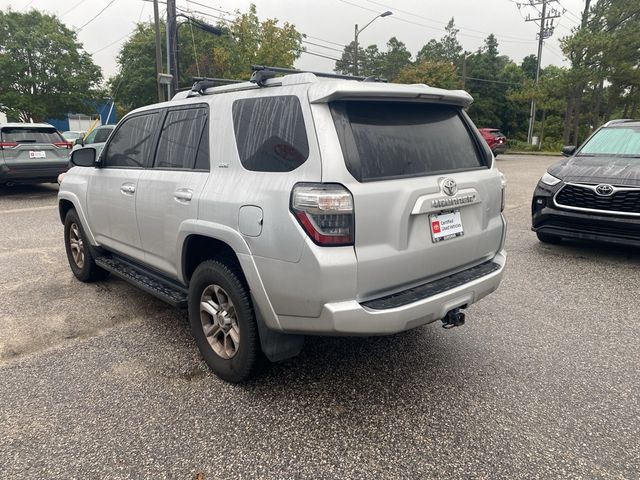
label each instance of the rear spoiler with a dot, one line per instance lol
(327, 91)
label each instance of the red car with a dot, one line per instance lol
(495, 139)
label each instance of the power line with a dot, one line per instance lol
(440, 22)
(73, 8)
(411, 22)
(325, 41)
(96, 15)
(320, 55)
(322, 46)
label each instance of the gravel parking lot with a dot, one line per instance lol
(104, 381)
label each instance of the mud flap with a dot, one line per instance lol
(277, 346)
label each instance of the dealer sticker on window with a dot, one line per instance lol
(445, 226)
(37, 154)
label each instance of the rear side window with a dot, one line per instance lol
(180, 138)
(30, 135)
(132, 143)
(385, 140)
(270, 133)
(102, 134)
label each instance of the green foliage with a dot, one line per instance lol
(44, 72)
(247, 41)
(433, 73)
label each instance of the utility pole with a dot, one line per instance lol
(357, 31)
(172, 65)
(546, 30)
(156, 18)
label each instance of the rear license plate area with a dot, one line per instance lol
(445, 226)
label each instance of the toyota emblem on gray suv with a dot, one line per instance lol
(604, 190)
(449, 186)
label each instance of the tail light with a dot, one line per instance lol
(67, 145)
(325, 212)
(4, 145)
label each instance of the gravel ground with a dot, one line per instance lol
(104, 381)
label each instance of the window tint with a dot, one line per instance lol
(382, 140)
(101, 135)
(31, 135)
(270, 133)
(132, 143)
(180, 138)
(202, 157)
(613, 141)
(90, 138)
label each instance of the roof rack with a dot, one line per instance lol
(262, 73)
(200, 84)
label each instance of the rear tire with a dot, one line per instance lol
(223, 322)
(79, 251)
(546, 238)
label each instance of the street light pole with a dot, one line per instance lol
(358, 32)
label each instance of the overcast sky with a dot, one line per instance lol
(327, 23)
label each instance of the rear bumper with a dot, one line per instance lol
(499, 148)
(32, 174)
(354, 318)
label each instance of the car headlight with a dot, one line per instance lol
(549, 179)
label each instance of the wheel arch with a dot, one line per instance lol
(68, 201)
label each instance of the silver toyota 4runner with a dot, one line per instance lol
(292, 205)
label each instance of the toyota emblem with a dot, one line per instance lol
(604, 190)
(449, 186)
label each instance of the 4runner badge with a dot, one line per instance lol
(449, 186)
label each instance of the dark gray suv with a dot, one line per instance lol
(31, 153)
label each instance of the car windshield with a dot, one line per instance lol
(71, 135)
(30, 135)
(622, 141)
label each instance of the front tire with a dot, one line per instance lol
(79, 251)
(223, 322)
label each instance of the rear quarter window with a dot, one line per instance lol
(270, 133)
(386, 140)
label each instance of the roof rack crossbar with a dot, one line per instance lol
(263, 68)
(200, 84)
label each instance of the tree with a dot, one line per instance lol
(394, 59)
(247, 41)
(435, 74)
(44, 72)
(447, 49)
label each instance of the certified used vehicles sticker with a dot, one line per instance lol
(445, 226)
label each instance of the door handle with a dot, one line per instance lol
(128, 188)
(183, 195)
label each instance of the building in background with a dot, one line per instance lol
(105, 115)
(3, 118)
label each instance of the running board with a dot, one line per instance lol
(158, 286)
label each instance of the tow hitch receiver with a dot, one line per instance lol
(453, 318)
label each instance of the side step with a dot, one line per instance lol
(158, 286)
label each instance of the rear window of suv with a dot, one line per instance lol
(30, 135)
(386, 140)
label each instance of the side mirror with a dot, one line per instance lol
(79, 141)
(568, 150)
(84, 157)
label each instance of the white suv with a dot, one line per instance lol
(292, 205)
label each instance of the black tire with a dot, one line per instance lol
(244, 361)
(87, 270)
(546, 238)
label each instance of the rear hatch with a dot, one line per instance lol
(426, 200)
(33, 150)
